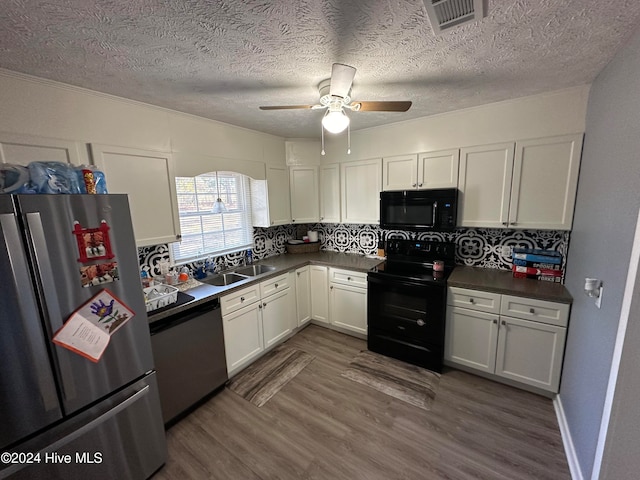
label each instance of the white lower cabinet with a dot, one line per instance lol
(303, 295)
(254, 322)
(348, 300)
(243, 337)
(525, 343)
(319, 293)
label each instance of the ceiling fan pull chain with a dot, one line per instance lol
(322, 130)
(349, 139)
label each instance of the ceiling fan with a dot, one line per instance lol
(335, 97)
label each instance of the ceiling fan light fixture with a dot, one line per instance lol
(335, 121)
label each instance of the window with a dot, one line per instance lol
(204, 232)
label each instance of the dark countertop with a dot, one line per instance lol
(502, 281)
(203, 292)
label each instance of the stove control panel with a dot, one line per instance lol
(421, 249)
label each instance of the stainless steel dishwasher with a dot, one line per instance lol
(188, 349)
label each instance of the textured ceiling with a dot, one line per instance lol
(222, 59)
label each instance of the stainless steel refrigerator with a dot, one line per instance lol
(62, 415)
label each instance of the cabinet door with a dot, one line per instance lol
(242, 336)
(319, 293)
(277, 317)
(330, 193)
(485, 185)
(361, 185)
(471, 338)
(545, 180)
(305, 203)
(303, 295)
(148, 178)
(438, 169)
(24, 149)
(400, 172)
(530, 352)
(348, 307)
(278, 195)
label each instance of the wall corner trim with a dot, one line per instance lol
(569, 448)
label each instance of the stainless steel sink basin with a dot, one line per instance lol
(253, 270)
(223, 279)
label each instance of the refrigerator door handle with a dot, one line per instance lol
(96, 422)
(9, 227)
(51, 310)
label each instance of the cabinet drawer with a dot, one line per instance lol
(537, 310)
(275, 284)
(474, 299)
(348, 277)
(238, 299)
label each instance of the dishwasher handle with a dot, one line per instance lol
(184, 316)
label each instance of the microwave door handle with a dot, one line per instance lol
(433, 220)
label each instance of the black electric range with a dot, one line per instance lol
(406, 302)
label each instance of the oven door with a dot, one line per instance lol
(406, 319)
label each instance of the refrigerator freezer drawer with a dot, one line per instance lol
(121, 437)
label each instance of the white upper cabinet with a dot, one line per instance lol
(400, 172)
(545, 180)
(361, 185)
(270, 198)
(426, 170)
(148, 178)
(330, 193)
(438, 169)
(485, 185)
(24, 149)
(529, 184)
(305, 202)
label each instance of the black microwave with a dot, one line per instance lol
(434, 209)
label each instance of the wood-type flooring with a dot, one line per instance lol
(322, 425)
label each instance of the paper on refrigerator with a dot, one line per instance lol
(88, 330)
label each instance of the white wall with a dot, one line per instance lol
(555, 113)
(49, 109)
(601, 243)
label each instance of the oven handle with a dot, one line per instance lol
(386, 279)
(435, 214)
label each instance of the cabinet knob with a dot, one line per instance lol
(505, 223)
(272, 223)
(331, 287)
(504, 323)
(178, 237)
(532, 311)
(419, 184)
(321, 218)
(242, 299)
(420, 322)
(513, 223)
(495, 321)
(298, 273)
(260, 306)
(293, 220)
(471, 301)
(264, 304)
(414, 185)
(349, 278)
(276, 285)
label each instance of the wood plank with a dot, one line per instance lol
(324, 426)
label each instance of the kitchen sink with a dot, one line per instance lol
(253, 270)
(222, 279)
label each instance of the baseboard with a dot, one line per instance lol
(569, 449)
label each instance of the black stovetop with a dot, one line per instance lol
(413, 260)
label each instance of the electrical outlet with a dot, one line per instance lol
(506, 251)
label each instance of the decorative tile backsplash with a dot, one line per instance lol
(477, 247)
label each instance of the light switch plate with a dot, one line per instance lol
(599, 299)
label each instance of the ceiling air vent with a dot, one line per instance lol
(444, 14)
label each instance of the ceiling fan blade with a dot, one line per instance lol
(382, 106)
(341, 79)
(285, 107)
